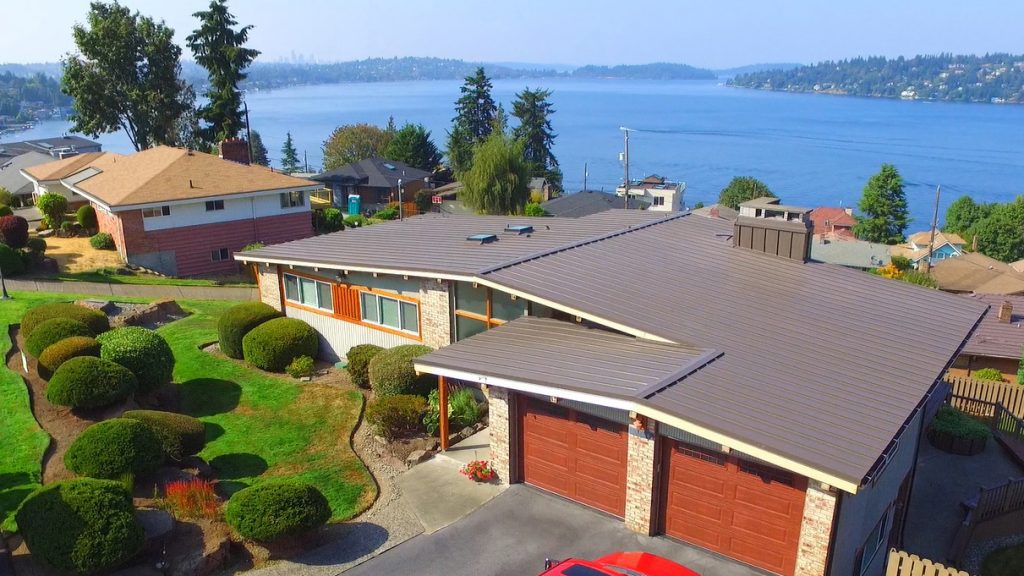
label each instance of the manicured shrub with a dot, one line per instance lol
(391, 372)
(463, 410)
(387, 213)
(275, 343)
(301, 367)
(81, 525)
(53, 207)
(14, 231)
(359, 357)
(60, 352)
(89, 382)
(396, 416)
(11, 263)
(86, 217)
(102, 241)
(179, 435)
(5, 210)
(237, 321)
(36, 246)
(990, 374)
(113, 448)
(142, 351)
(328, 220)
(52, 331)
(356, 221)
(270, 510)
(949, 420)
(96, 321)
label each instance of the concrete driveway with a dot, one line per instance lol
(513, 534)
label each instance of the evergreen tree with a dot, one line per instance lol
(475, 113)
(219, 48)
(125, 77)
(460, 149)
(498, 182)
(534, 111)
(412, 145)
(743, 188)
(259, 150)
(289, 156)
(883, 207)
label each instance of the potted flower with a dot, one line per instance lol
(479, 471)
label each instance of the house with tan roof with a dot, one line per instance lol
(916, 248)
(976, 273)
(181, 212)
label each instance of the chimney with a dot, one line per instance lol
(848, 210)
(235, 150)
(1005, 312)
(764, 225)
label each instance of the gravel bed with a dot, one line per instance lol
(977, 553)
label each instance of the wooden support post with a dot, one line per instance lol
(442, 407)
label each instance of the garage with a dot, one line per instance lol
(573, 454)
(739, 508)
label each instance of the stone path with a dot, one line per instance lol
(136, 290)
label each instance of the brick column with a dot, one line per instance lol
(640, 478)
(815, 530)
(270, 286)
(498, 422)
(435, 316)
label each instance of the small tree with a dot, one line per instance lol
(259, 149)
(289, 156)
(412, 145)
(352, 143)
(499, 180)
(743, 188)
(884, 208)
(54, 207)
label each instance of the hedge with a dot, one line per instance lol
(949, 420)
(89, 382)
(102, 241)
(52, 331)
(86, 216)
(96, 321)
(358, 358)
(14, 231)
(391, 372)
(396, 416)
(60, 352)
(142, 351)
(81, 525)
(275, 343)
(273, 509)
(11, 263)
(179, 435)
(237, 321)
(5, 210)
(990, 374)
(114, 448)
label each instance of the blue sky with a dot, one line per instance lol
(712, 33)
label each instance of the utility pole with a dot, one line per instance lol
(305, 161)
(400, 215)
(625, 161)
(935, 223)
(585, 173)
(248, 132)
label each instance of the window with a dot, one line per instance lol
(478, 308)
(874, 542)
(212, 205)
(390, 312)
(659, 200)
(219, 255)
(309, 292)
(156, 212)
(292, 199)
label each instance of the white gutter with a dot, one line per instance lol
(126, 207)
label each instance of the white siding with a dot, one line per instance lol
(234, 209)
(338, 336)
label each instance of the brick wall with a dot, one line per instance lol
(270, 286)
(499, 415)
(640, 478)
(815, 530)
(111, 224)
(435, 316)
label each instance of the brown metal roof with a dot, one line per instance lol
(571, 356)
(821, 365)
(997, 339)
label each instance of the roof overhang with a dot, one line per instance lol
(125, 207)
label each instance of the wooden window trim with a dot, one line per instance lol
(394, 296)
(488, 318)
(302, 306)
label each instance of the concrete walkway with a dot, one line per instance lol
(439, 495)
(136, 290)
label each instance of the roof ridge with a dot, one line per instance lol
(183, 153)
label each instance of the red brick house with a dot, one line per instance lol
(183, 213)
(834, 223)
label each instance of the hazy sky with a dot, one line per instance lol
(712, 33)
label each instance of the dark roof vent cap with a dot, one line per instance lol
(482, 238)
(519, 229)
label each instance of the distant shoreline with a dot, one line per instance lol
(872, 96)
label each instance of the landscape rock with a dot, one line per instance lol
(157, 525)
(201, 467)
(104, 306)
(417, 457)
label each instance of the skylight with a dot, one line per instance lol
(390, 166)
(482, 238)
(519, 229)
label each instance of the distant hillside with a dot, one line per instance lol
(753, 68)
(997, 78)
(655, 71)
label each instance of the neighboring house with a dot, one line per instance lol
(728, 393)
(183, 213)
(450, 203)
(59, 147)
(377, 182)
(851, 253)
(999, 340)
(716, 211)
(14, 181)
(833, 223)
(947, 245)
(582, 203)
(541, 186)
(975, 272)
(1018, 266)
(49, 178)
(657, 192)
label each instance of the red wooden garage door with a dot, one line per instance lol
(575, 455)
(744, 510)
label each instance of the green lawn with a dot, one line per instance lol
(110, 276)
(1005, 562)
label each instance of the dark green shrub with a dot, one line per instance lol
(237, 321)
(328, 220)
(388, 213)
(949, 420)
(424, 200)
(114, 448)
(60, 352)
(990, 374)
(14, 231)
(142, 351)
(36, 246)
(270, 510)
(902, 263)
(53, 207)
(275, 343)
(356, 221)
(396, 416)
(179, 435)
(68, 229)
(534, 209)
(919, 278)
(359, 357)
(81, 525)
(96, 321)
(89, 382)
(11, 263)
(86, 217)
(52, 331)
(5, 210)
(463, 410)
(301, 367)
(391, 372)
(102, 241)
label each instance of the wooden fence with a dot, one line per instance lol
(1003, 499)
(1010, 395)
(903, 564)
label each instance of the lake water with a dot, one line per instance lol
(810, 149)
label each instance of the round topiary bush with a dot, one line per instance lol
(86, 216)
(273, 509)
(237, 321)
(36, 245)
(5, 210)
(391, 372)
(81, 525)
(359, 357)
(97, 321)
(14, 231)
(142, 351)
(113, 448)
(60, 352)
(53, 331)
(180, 435)
(89, 382)
(11, 263)
(53, 207)
(275, 343)
(102, 241)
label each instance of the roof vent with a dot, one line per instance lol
(389, 166)
(519, 229)
(482, 238)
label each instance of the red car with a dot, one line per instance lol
(617, 564)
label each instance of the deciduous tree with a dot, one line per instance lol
(963, 213)
(352, 143)
(412, 145)
(289, 156)
(1001, 234)
(534, 110)
(883, 208)
(743, 188)
(498, 181)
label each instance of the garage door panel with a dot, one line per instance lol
(700, 534)
(765, 502)
(702, 509)
(757, 527)
(710, 485)
(754, 552)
